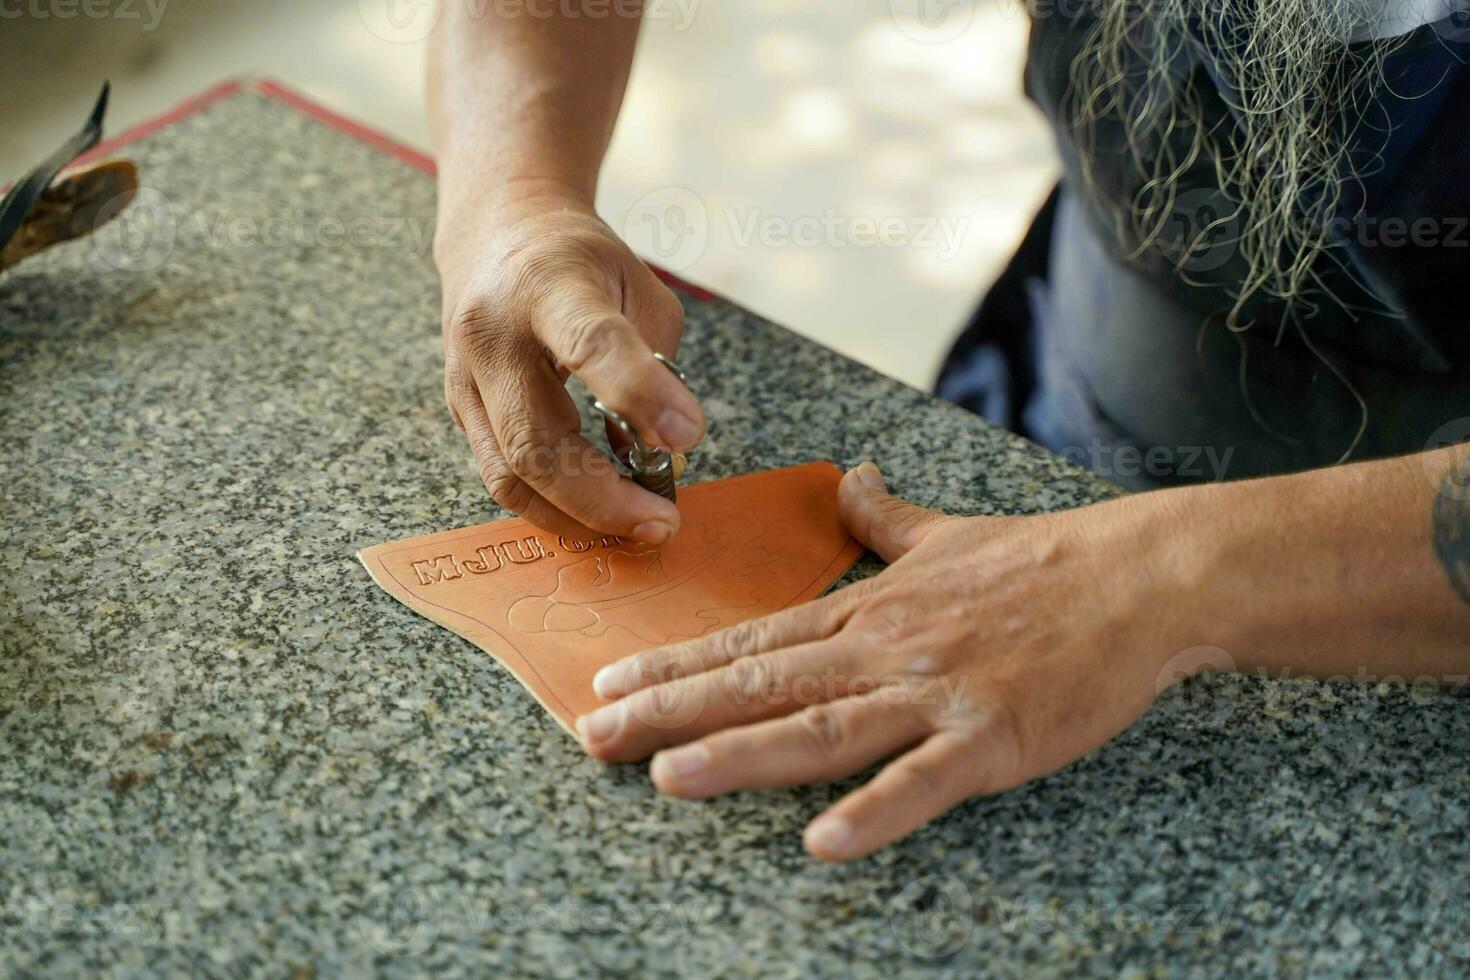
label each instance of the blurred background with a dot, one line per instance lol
(858, 171)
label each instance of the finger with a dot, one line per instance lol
(888, 525)
(751, 689)
(538, 429)
(590, 336)
(505, 488)
(947, 768)
(821, 742)
(800, 624)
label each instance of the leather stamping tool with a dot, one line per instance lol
(653, 468)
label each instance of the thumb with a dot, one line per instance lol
(888, 525)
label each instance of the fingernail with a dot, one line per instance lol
(654, 532)
(829, 836)
(601, 724)
(870, 476)
(678, 429)
(611, 681)
(681, 763)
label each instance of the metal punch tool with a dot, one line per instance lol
(652, 467)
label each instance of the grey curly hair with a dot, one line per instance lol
(1298, 92)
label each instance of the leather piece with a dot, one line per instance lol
(554, 610)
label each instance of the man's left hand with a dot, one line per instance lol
(991, 652)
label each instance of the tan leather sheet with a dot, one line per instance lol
(555, 610)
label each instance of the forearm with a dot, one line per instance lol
(1357, 571)
(520, 103)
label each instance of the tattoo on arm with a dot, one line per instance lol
(1452, 527)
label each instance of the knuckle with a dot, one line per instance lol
(740, 640)
(754, 680)
(474, 322)
(887, 623)
(529, 451)
(991, 730)
(505, 489)
(920, 778)
(588, 340)
(659, 668)
(1003, 738)
(823, 731)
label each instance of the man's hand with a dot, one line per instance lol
(550, 290)
(992, 652)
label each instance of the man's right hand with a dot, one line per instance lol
(541, 288)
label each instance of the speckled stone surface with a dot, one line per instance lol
(225, 752)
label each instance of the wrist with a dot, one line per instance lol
(470, 220)
(1325, 573)
(1171, 545)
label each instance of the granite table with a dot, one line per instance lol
(224, 752)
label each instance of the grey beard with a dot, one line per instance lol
(1298, 90)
